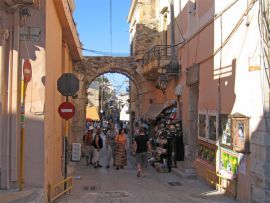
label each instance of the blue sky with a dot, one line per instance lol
(93, 24)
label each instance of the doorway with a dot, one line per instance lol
(193, 119)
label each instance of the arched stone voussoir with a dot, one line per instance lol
(90, 68)
(94, 66)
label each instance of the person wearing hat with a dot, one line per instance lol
(88, 140)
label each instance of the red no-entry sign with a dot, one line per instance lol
(27, 70)
(66, 110)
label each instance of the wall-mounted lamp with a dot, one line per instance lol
(163, 82)
(178, 91)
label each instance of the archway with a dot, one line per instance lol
(90, 68)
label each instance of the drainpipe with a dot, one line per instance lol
(173, 55)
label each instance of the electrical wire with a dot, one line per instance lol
(251, 4)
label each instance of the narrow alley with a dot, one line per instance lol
(111, 185)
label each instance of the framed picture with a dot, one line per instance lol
(226, 131)
(207, 152)
(228, 163)
(240, 131)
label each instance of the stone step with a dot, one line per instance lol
(184, 172)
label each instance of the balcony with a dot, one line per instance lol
(158, 61)
(156, 58)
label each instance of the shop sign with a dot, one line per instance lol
(30, 33)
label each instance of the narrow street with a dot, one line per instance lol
(111, 185)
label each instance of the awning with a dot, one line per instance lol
(92, 113)
(155, 109)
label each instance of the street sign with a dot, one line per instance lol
(68, 84)
(27, 71)
(66, 110)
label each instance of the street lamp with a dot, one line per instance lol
(163, 83)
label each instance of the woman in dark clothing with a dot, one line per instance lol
(141, 145)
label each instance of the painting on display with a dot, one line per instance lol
(240, 132)
(226, 136)
(228, 163)
(207, 152)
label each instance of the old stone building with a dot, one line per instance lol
(44, 33)
(223, 75)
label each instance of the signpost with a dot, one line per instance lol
(66, 110)
(67, 85)
(27, 76)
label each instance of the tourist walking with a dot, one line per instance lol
(120, 150)
(110, 145)
(141, 145)
(89, 149)
(98, 144)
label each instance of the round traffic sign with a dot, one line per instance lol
(66, 110)
(27, 70)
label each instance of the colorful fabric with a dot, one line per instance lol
(120, 139)
(120, 155)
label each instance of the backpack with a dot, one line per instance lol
(100, 142)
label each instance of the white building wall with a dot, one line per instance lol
(251, 88)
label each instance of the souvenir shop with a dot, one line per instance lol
(166, 140)
(223, 154)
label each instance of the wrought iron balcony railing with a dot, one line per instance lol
(157, 53)
(173, 68)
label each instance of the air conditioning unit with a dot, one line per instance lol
(11, 3)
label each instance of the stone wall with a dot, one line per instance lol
(90, 68)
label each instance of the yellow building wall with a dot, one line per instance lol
(53, 122)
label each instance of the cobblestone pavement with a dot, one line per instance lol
(112, 186)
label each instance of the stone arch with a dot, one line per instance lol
(90, 68)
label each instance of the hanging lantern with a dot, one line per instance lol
(163, 83)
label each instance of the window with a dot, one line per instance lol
(164, 30)
(208, 126)
(202, 125)
(212, 127)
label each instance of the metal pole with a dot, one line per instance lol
(21, 178)
(66, 150)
